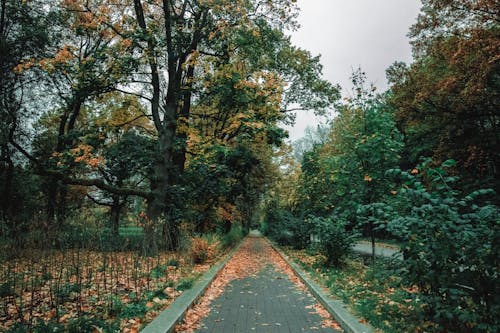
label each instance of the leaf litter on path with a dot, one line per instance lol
(253, 255)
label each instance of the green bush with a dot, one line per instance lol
(134, 310)
(331, 238)
(234, 235)
(286, 229)
(185, 284)
(451, 246)
(67, 292)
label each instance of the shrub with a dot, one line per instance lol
(185, 284)
(158, 271)
(450, 244)
(173, 262)
(234, 235)
(332, 239)
(286, 229)
(134, 310)
(67, 292)
(203, 248)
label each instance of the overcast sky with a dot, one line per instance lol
(348, 34)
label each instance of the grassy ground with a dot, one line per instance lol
(89, 291)
(373, 291)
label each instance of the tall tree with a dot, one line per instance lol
(447, 100)
(213, 33)
(183, 59)
(24, 35)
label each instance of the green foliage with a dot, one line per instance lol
(233, 237)
(450, 244)
(446, 101)
(86, 231)
(134, 310)
(6, 289)
(130, 157)
(286, 229)
(67, 292)
(185, 284)
(173, 262)
(331, 238)
(158, 271)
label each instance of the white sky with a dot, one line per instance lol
(348, 34)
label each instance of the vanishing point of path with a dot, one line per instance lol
(257, 292)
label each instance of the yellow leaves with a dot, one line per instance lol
(73, 5)
(367, 178)
(64, 55)
(193, 140)
(131, 273)
(246, 84)
(123, 111)
(23, 66)
(84, 154)
(46, 65)
(228, 212)
(193, 58)
(126, 43)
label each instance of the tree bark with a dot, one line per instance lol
(115, 216)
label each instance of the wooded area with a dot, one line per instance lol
(134, 129)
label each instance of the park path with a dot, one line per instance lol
(380, 251)
(257, 292)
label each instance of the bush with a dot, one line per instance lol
(203, 248)
(234, 235)
(185, 284)
(286, 229)
(451, 246)
(332, 239)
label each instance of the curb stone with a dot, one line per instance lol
(166, 321)
(336, 308)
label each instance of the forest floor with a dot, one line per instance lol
(257, 292)
(83, 290)
(372, 291)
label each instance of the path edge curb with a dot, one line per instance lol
(336, 308)
(166, 321)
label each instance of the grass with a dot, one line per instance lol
(373, 291)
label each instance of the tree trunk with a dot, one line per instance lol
(159, 203)
(7, 176)
(115, 216)
(372, 237)
(50, 209)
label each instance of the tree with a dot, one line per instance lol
(447, 100)
(24, 35)
(345, 176)
(214, 34)
(183, 60)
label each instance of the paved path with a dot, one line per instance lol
(366, 248)
(267, 301)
